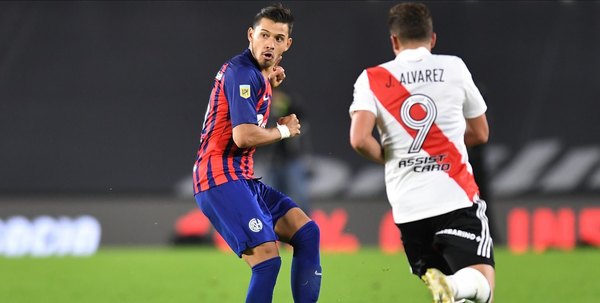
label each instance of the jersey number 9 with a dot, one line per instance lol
(418, 112)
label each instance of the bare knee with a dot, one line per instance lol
(291, 222)
(260, 253)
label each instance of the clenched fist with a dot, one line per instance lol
(292, 123)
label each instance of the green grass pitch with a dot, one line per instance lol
(198, 274)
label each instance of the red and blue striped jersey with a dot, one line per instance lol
(239, 95)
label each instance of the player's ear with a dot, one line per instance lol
(395, 44)
(433, 40)
(289, 44)
(250, 33)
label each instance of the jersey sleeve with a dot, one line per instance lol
(474, 105)
(242, 90)
(364, 99)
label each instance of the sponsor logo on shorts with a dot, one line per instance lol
(255, 225)
(459, 233)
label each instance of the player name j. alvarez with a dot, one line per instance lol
(419, 76)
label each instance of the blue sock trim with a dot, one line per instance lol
(262, 283)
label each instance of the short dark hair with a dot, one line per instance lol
(277, 13)
(410, 21)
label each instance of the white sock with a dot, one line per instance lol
(469, 283)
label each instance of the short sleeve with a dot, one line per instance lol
(364, 99)
(474, 105)
(242, 90)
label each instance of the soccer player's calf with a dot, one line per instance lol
(262, 283)
(306, 264)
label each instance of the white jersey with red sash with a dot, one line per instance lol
(420, 102)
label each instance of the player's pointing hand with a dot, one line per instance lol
(277, 74)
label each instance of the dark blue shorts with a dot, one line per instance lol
(244, 212)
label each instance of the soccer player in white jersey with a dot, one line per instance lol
(427, 110)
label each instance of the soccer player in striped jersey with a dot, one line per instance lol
(250, 215)
(427, 110)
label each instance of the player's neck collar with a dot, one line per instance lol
(413, 53)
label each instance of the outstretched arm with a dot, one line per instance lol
(361, 136)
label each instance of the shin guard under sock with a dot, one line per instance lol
(262, 283)
(306, 264)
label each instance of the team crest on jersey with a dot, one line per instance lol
(245, 91)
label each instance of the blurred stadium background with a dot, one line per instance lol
(101, 106)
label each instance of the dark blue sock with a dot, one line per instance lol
(306, 264)
(262, 283)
